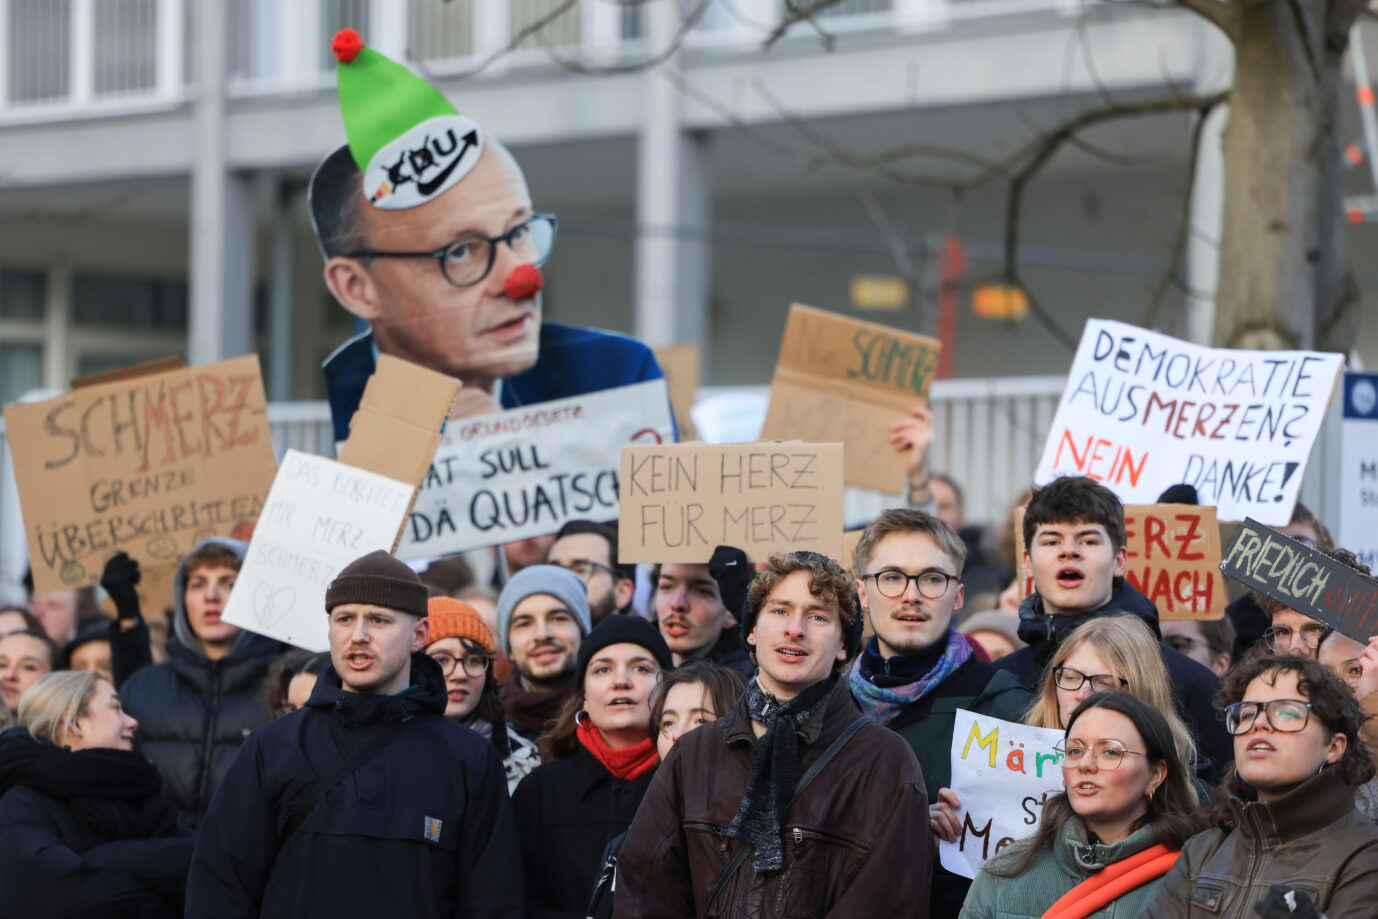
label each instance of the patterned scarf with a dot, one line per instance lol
(774, 769)
(882, 704)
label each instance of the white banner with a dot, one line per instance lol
(1358, 530)
(524, 472)
(1144, 411)
(320, 516)
(1002, 773)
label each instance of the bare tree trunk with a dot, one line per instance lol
(1284, 277)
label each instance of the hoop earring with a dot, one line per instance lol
(585, 716)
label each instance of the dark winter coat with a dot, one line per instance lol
(857, 842)
(729, 652)
(1193, 686)
(423, 829)
(86, 834)
(567, 812)
(194, 712)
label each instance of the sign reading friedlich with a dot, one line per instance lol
(843, 379)
(680, 501)
(1003, 773)
(525, 472)
(150, 463)
(1299, 577)
(1143, 411)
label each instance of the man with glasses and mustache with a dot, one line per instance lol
(589, 549)
(429, 235)
(916, 671)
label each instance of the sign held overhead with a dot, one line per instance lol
(843, 379)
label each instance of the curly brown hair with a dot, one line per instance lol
(828, 581)
(1331, 702)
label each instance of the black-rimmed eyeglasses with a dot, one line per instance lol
(1287, 716)
(468, 260)
(473, 664)
(892, 583)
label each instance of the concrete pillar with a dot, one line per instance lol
(281, 300)
(58, 367)
(1203, 242)
(222, 227)
(672, 206)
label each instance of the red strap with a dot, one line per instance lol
(1112, 882)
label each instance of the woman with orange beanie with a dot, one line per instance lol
(462, 644)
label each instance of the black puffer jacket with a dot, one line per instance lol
(86, 834)
(423, 829)
(194, 713)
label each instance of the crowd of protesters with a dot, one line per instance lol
(763, 739)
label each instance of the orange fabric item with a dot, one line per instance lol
(1113, 882)
(450, 618)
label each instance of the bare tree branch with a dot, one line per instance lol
(796, 12)
(686, 25)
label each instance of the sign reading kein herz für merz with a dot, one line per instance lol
(1303, 579)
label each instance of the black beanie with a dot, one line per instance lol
(378, 579)
(619, 628)
(733, 572)
(1179, 494)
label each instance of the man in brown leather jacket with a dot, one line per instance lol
(855, 842)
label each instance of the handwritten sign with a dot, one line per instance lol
(1143, 411)
(1003, 773)
(1299, 577)
(1358, 529)
(150, 464)
(525, 472)
(680, 501)
(840, 378)
(1174, 556)
(320, 516)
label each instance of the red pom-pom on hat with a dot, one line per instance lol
(347, 44)
(524, 282)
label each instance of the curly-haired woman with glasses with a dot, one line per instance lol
(462, 644)
(1287, 839)
(1104, 843)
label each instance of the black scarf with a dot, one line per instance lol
(774, 769)
(111, 794)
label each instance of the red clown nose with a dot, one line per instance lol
(524, 282)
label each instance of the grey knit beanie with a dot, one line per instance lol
(560, 583)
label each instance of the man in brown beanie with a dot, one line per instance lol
(368, 772)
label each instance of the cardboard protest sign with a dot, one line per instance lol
(1358, 529)
(1003, 773)
(320, 516)
(146, 462)
(525, 472)
(680, 364)
(1299, 577)
(1144, 411)
(844, 379)
(1174, 557)
(680, 501)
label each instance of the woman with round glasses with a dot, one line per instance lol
(462, 644)
(1108, 653)
(1105, 842)
(1287, 839)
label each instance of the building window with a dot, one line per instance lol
(21, 369)
(40, 45)
(21, 294)
(145, 303)
(126, 52)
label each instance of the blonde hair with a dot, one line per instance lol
(1130, 651)
(50, 706)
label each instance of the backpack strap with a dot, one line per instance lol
(745, 851)
(302, 809)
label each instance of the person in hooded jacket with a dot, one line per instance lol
(368, 801)
(601, 754)
(197, 707)
(85, 829)
(1074, 545)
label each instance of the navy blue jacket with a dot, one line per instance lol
(1193, 686)
(572, 362)
(423, 829)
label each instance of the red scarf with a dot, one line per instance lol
(627, 764)
(1112, 882)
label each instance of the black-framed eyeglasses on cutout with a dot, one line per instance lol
(473, 664)
(1071, 680)
(1287, 716)
(467, 260)
(892, 583)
